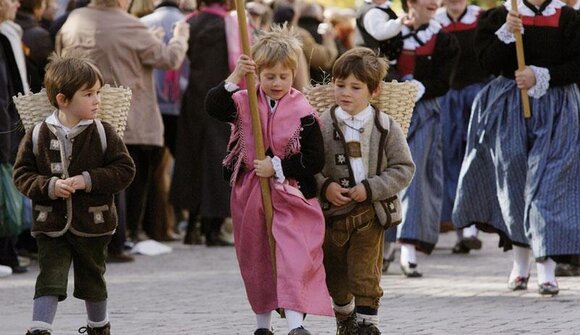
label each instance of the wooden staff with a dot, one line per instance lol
(257, 131)
(521, 63)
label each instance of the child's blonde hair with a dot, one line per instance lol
(364, 64)
(280, 45)
(67, 75)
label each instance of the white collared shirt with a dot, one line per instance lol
(55, 121)
(357, 122)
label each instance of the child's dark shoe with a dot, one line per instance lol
(299, 331)
(346, 324)
(410, 270)
(263, 331)
(368, 329)
(518, 283)
(38, 332)
(548, 288)
(104, 330)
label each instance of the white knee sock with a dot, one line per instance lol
(546, 271)
(264, 320)
(293, 319)
(470, 231)
(521, 267)
(408, 254)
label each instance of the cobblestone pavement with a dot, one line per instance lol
(197, 290)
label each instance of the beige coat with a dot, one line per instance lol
(126, 52)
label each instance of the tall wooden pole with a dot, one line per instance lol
(521, 63)
(257, 131)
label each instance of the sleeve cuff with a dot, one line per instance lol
(277, 164)
(323, 189)
(542, 82)
(51, 186)
(367, 186)
(230, 87)
(505, 35)
(88, 183)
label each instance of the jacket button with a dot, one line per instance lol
(69, 158)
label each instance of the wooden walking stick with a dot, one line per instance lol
(521, 63)
(257, 131)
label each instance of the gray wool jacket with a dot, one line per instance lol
(390, 167)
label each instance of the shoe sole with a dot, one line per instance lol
(474, 244)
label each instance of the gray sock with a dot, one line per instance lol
(96, 311)
(44, 309)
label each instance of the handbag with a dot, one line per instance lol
(11, 204)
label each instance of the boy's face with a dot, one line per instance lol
(8, 9)
(351, 94)
(84, 103)
(276, 81)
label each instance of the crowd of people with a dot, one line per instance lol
(349, 188)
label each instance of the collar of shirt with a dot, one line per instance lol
(53, 120)
(272, 103)
(362, 117)
(387, 4)
(549, 10)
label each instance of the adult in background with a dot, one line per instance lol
(459, 19)
(35, 39)
(126, 52)
(11, 83)
(198, 184)
(169, 85)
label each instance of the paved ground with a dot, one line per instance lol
(198, 291)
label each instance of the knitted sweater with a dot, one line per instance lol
(390, 167)
(90, 212)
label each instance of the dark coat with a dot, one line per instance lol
(201, 140)
(39, 45)
(11, 130)
(85, 213)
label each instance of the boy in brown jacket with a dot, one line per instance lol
(367, 163)
(70, 165)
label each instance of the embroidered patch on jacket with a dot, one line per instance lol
(353, 149)
(43, 212)
(340, 159)
(98, 216)
(336, 135)
(344, 182)
(54, 145)
(56, 167)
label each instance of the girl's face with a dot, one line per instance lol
(276, 81)
(455, 6)
(351, 94)
(8, 9)
(422, 10)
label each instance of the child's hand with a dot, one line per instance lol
(77, 182)
(525, 78)
(264, 168)
(514, 22)
(244, 66)
(358, 193)
(63, 189)
(334, 194)
(408, 20)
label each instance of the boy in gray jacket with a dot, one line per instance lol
(367, 163)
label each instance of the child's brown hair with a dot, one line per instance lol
(67, 75)
(280, 45)
(364, 64)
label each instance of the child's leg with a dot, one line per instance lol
(409, 261)
(518, 279)
(43, 312)
(293, 319)
(96, 313)
(547, 277)
(54, 257)
(365, 257)
(264, 320)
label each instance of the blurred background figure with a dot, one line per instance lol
(198, 184)
(36, 40)
(13, 80)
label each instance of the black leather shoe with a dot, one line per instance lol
(518, 283)
(122, 257)
(368, 329)
(548, 288)
(299, 331)
(410, 270)
(471, 243)
(263, 331)
(346, 324)
(459, 249)
(38, 332)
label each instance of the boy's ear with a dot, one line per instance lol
(61, 100)
(376, 92)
